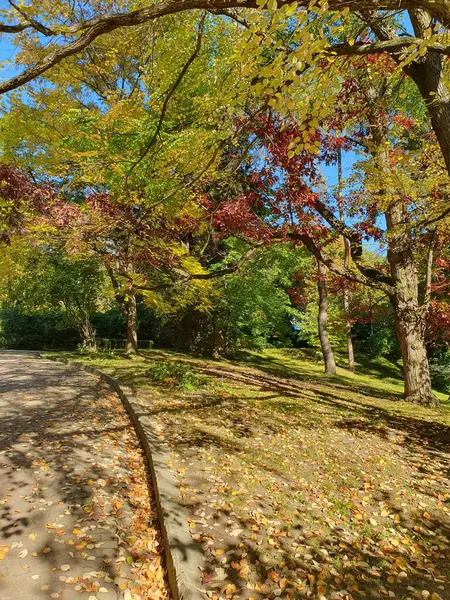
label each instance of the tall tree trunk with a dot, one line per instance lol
(348, 324)
(131, 311)
(218, 341)
(328, 357)
(409, 314)
(410, 330)
(428, 74)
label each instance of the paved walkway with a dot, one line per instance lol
(72, 488)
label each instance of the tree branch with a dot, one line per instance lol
(32, 22)
(169, 95)
(93, 28)
(392, 46)
(14, 28)
(186, 277)
(342, 271)
(353, 236)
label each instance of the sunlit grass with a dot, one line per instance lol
(306, 467)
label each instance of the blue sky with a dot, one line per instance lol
(7, 50)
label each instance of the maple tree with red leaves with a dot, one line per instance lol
(21, 200)
(284, 202)
(143, 251)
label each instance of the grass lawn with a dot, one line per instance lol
(302, 485)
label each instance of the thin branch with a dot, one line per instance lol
(169, 95)
(14, 28)
(187, 277)
(392, 46)
(354, 238)
(230, 15)
(429, 222)
(32, 22)
(311, 245)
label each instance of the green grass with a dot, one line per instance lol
(331, 482)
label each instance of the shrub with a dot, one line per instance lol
(176, 375)
(40, 330)
(440, 372)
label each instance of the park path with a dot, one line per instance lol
(76, 518)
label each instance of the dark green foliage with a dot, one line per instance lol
(38, 330)
(110, 324)
(377, 339)
(440, 371)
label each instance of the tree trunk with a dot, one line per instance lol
(218, 341)
(131, 345)
(87, 334)
(409, 314)
(427, 72)
(348, 332)
(328, 357)
(348, 324)
(437, 99)
(410, 329)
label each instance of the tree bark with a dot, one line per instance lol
(218, 339)
(328, 357)
(131, 311)
(87, 334)
(409, 314)
(427, 72)
(410, 331)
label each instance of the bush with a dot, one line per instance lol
(21, 330)
(176, 375)
(440, 372)
(112, 325)
(380, 341)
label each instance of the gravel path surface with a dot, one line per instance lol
(76, 517)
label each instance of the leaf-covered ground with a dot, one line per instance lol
(301, 485)
(77, 516)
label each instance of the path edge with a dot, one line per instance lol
(182, 556)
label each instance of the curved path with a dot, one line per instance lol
(75, 516)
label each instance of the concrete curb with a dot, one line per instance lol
(182, 555)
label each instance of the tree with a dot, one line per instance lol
(420, 55)
(51, 280)
(346, 299)
(79, 33)
(285, 206)
(328, 356)
(144, 252)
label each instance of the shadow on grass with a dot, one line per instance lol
(333, 556)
